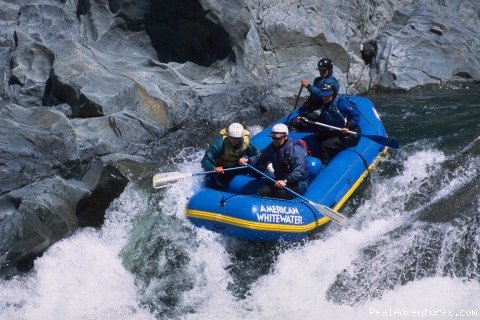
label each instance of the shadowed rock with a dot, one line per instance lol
(35, 143)
(35, 217)
(106, 181)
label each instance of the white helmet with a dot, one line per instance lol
(279, 128)
(235, 130)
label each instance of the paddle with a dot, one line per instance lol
(326, 211)
(384, 141)
(296, 103)
(161, 180)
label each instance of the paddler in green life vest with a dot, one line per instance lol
(224, 152)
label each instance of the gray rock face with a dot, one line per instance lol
(82, 80)
(35, 217)
(35, 143)
(433, 42)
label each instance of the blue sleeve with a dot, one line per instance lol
(299, 162)
(261, 158)
(316, 88)
(333, 81)
(212, 154)
(352, 114)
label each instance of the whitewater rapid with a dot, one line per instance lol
(84, 276)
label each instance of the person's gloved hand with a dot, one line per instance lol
(281, 184)
(243, 161)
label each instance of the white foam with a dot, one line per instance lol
(80, 277)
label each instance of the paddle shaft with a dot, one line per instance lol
(273, 180)
(332, 127)
(296, 103)
(326, 211)
(213, 171)
(389, 142)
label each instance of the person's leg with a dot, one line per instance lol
(264, 191)
(281, 193)
(322, 136)
(332, 146)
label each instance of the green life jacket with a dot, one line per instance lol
(230, 155)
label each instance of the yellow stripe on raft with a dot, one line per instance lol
(360, 180)
(216, 217)
(255, 225)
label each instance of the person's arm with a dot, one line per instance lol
(212, 154)
(299, 163)
(352, 114)
(251, 150)
(260, 158)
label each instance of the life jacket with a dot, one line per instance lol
(282, 159)
(230, 155)
(331, 115)
(314, 102)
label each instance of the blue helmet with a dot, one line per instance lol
(326, 90)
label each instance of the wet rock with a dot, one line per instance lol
(434, 50)
(35, 143)
(124, 132)
(31, 64)
(106, 178)
(35, 217)
(368, 50)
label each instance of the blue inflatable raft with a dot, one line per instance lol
(242, 214)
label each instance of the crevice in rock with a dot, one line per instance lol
(88, 108)
(178, 29)
(8, 205)
(180, 32)
(368, 50)
(108, 186)
(83, 8)
(464, 75)
(57, 93)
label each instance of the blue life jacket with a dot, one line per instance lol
(314, 101)
(283, 165)
(330, 114)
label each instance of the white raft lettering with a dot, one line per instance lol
(279, 209)
(278, 218)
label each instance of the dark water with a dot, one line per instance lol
(413, 240)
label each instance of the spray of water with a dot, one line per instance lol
(148, 261)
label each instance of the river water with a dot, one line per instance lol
(412, 246)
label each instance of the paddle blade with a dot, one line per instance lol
(162, 180)
(332, 214)
(384, 141)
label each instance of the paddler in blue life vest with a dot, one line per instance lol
(289, 160)
(233, 144)
(314, 101)
(339, 112)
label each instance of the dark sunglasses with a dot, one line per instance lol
(277, 138)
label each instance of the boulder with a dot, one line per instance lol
(34, 217)
(35, 143)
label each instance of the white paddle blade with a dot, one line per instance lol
(162, 180)
(332, 214)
